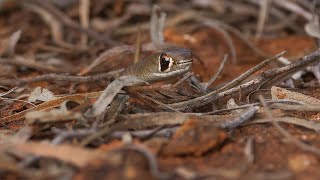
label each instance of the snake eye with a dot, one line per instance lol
(165, 62)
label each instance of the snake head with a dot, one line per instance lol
(163, 65)
(172, 62)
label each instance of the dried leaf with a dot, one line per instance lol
(232, 104)
(79, 98)
(194, 138)
(312, 28)
(8, 45)
(41, 95)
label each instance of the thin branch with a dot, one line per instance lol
(216, 75)
(263, 15)
(290, 120)
(251, 71)
(65, 20)
(157, 26)
(30, 63)
(69, 78)
(212, 96)
(291, 6)
(84, 12)
(8, 92)
(216, 26)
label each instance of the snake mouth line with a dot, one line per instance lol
(188, 61)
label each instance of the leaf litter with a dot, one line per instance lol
(191, 129)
